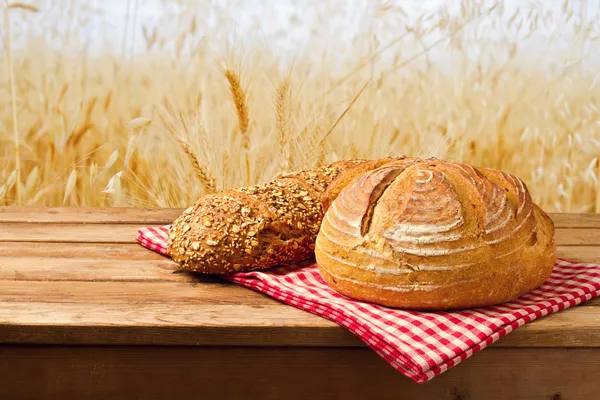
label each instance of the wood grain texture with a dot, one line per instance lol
(167, 324)
(98, 251)
(90, 215)
(231, 324)
(126, 233)
(590, 254)
(122, 251)
(290, 373)
(160, 216)
(574, 220)
(89, 269)
(90, 283)
(198, 293)
(578, 237)
(73, 261)
(68, 233)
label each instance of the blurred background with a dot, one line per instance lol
(154, 103)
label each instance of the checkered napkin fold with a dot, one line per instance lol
(421, 345)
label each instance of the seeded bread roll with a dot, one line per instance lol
(256, 227)
(430, 234)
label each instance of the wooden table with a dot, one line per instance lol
(86, 312)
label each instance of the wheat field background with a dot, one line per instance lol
(188, 104)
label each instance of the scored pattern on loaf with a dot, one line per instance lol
(420, 225)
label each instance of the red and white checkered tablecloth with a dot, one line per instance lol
(421, 345)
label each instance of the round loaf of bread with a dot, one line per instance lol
(435, 235)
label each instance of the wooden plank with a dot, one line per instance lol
(66, 233)
(131, 293)
(574, 220)
(90, 215)
(590, 254)
(99, 251)
(167, 323)
(290, 373)
(160, 216)
(126, 233)
(134, 251)
(89, 269)
(578, 237)
(130, 251)
(256, 323)
(187, 289)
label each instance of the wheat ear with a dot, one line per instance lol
(238, 95)
(205, 179)
(282, 117)
(203, 176)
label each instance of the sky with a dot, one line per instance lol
(275, 28)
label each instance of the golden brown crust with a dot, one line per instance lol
(429, 234)
(256, 227)
(343, 179)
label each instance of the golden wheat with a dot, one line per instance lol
(13, 104)
(180, 134)
(238, 95)
(93, 127)
(282, 117)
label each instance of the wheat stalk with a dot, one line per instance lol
(240, 101)
(3, 190)
(225, 168)
(13, 101)
(435, 44)
(71, 181)
(366, 62)
(343, 114)
(23, 6)
(77, 135)
(207, 180)
(282, 119)
(413, 108)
